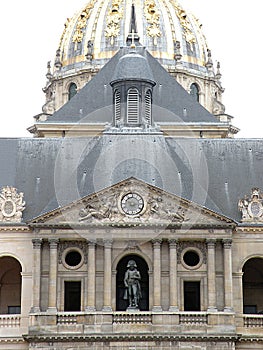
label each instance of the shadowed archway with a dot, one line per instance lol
(142, 267)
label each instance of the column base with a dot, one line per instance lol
(212, 309)
(157, 309)
(228, 309)
(173, 309)
(52, 310)
(107, 309)
(90, 309)
(34, 310)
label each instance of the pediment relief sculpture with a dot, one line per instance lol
(252, 208)
(132, 202)
(11, 205)
(133, 205)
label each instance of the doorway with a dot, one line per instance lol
(191, 296)
(72, 296)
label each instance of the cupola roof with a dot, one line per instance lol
(132, 66)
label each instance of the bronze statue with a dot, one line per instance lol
(132, 285)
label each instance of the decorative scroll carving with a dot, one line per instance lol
(152, 16)
(252, 208)
(82, 23)
(114, 16)
(11, 205)
(185, 23)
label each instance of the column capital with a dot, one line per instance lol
(173, 242)
(53, 243)
(107, 243)
(156, 243)
(92, 243)
(227, 242)
(210, 242)
(37, 242)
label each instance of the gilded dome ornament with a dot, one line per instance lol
(114, 16)
(82, 23)
(152, 16)
(185, 23)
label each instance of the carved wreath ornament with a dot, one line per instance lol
(11, 205)
(252, 208)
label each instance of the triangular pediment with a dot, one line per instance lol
(132, 202)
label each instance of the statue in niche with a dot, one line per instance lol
(132, 285)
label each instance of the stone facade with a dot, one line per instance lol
(191, 272)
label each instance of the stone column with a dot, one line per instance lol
(53, 267)
(107, 276)
(228, 283)
(91, 285)
(36, 274)
(173, 274)
(211, 275)
(157, 275)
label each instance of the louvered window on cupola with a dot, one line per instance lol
(117, 106)
(133, 106)
(148, 107)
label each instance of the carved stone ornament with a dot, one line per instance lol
(11, 205)
(252, 208)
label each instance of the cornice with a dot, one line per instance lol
(127, 337)
(14, 228)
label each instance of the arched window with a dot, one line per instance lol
(122, 296)
(253, 286)
(10, 282)
(133, 106)
(148, 107)
(117, 106)
(194, 91)
(72, 90)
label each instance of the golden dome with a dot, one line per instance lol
(98, 30)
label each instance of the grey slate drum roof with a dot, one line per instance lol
(171, 103)
(214, 173)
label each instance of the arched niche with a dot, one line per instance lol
(195, 91)
(121, 303)
(10, 285)
(72, 90)
(253, 286)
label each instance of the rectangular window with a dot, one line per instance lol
(72, 296)
(14, 309)
(250, 309)
(192, 296)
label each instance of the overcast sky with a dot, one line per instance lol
(30, 32)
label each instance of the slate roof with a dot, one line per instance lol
(171, 102)
(214, 173)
